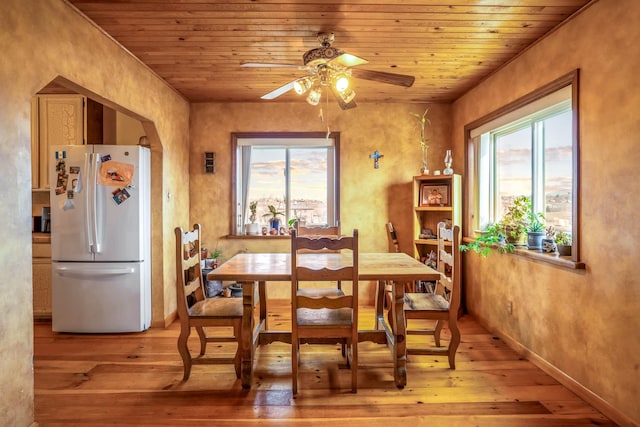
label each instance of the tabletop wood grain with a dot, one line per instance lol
(277, 266)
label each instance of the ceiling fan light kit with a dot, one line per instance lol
(302, 85)
(330, 67)
(314, 96)
(342, 83)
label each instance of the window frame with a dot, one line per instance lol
(236, 136)
(471, 180)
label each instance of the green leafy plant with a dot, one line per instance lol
(536, 222)
(216, 253)
(563, 238)
(273, 213)
(518, 219)
(551, 232)
(253, 207)
(492, 237)
(515, 221)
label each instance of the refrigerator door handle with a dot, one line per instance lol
(97, 272)
(92, 203)
(88, 195)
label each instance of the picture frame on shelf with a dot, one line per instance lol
(435, 194)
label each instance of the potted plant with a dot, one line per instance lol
(515, 221)
(252, 228)
(535, 230)
(423, 119)
(492, 237)
(274, 221)
(563, 242)
(549, 241)
(293, 224)
(214, 257)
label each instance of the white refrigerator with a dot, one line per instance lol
(100, 238)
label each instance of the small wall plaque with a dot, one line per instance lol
(209, 162)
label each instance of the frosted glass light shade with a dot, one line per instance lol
(314, 96)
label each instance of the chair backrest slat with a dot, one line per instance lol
(318, 231)
(325, 302)
(324, 274)
(190, 287)
(320, 243)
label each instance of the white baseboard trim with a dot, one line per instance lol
(584, 393)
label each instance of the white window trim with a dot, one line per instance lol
(472, 202)
(284, 140)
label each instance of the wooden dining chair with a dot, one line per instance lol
(443, 304)
(333, 231)
(198, 311)
(324, 319)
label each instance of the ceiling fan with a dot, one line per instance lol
(330, 68)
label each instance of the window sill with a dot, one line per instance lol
(554, 258)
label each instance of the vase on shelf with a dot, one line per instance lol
(425, 167)
(448, 160)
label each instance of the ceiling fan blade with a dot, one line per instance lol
(263, 65)
(348, 60)
(343, 105)
(279, 91)
(383, 77)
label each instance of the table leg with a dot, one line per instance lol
(399, 327)
(262, 300)
(379, 303)
(247, 347)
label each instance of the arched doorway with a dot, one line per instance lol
(106, 123)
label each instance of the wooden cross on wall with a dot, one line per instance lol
(376, 156)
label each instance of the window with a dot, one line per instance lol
(297, 173)
(528, 148)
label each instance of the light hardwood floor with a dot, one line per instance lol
(136, 380)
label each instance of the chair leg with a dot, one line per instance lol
(203, 340)
(379, 303)
(237, 328)
(347, 352)
(185, 331)
(294, 365)
(354, 365)
(455, 341)
(436, 332)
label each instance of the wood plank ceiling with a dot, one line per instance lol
(197, 46)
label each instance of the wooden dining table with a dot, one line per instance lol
(254, 270)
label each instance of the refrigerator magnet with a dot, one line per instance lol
(105, 158)
(120, 195)
(61, 184)
(68, 204)
(74, 170)
(115, 174)
(61, 167)
(76, 184)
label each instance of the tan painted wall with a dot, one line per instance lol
(41, 40)
(369, 197)
(584, 323)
